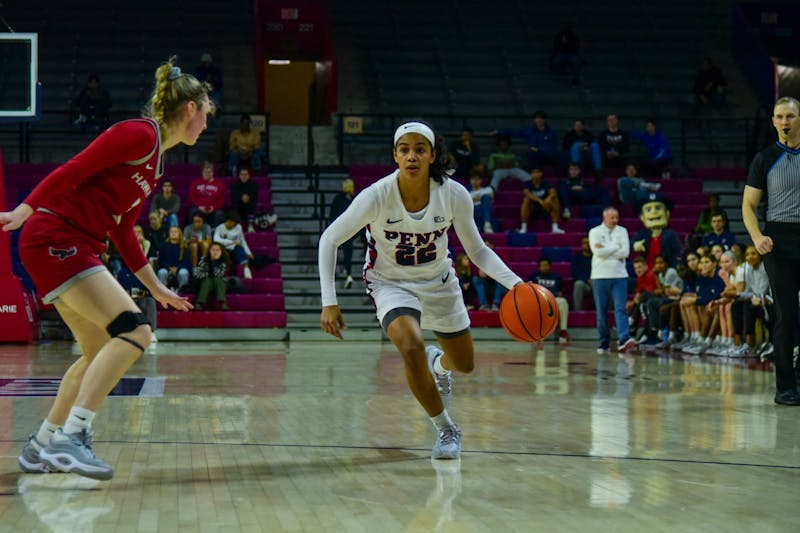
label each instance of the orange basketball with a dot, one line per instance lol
(529, 312)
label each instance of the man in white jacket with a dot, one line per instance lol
(610, 248)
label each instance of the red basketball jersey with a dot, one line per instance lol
(101, 190)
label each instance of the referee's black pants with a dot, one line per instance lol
(783, 269)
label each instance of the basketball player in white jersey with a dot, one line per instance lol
(409, 273)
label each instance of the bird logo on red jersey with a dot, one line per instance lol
(61, 253)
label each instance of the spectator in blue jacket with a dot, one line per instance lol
(541, 138)
(659, 155)
(580, 145)
(719, 235)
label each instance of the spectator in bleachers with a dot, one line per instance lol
(244, 196)
(656, 238)
(93, 103)
(668, 290)
(143, 241)
(614, 144)
(708, 287)
(197, 236)
(659, 156)
(482, 199)
(723, 344)
(210, 272)
(632, 188)
(490, 293)
(753, 301)
(111, 258)
(610, 250)
(542, 141)
(716, 251)
(646, 285)
(566, 57)
(573, 190)
(503, 163)
(553, 282)
(718, 235)
(710, 85)
(124, 274)
(207, 195)
(688, 271)
(156, 232)
(739, 249)
(704, 221)
(244, 147)
(167, 204)
(580, 145)
(581, 267)
(210, 74)
(466, 154)
(174, 261)
(339, 205)
(464, 272)
(231, 235)
(539, 200)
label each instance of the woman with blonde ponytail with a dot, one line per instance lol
(100, 192)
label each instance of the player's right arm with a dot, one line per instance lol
(750, 200)
(361, 212)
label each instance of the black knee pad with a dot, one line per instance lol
(126, 322)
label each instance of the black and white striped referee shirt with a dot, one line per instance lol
(776, 171)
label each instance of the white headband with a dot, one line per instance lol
(415, 127)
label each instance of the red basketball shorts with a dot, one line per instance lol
(56, 254)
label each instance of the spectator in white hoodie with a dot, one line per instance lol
(231, 235)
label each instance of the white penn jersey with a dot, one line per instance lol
(407, 247)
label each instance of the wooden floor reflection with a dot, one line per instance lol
(326, 437)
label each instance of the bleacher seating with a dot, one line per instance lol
(262, 306)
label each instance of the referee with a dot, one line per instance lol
(775, 175)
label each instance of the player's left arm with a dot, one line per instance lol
(480, 254)
(115, 146)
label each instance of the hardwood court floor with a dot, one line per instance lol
(314, 436)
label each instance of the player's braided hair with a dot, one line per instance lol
(440, 168)
(172, 89)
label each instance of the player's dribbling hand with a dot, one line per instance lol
(12, 220)
(168, 298)
(331, 320)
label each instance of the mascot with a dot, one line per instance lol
(656, 238)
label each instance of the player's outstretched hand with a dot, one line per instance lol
(331, 320)
(12, 220)
(166, 297)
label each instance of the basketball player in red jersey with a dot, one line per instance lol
(67, 217)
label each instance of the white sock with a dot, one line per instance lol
(46, 431)
(442, 420)
(523, 227)
(78, 420)
(438, 368)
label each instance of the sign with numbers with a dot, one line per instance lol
(353, 125)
